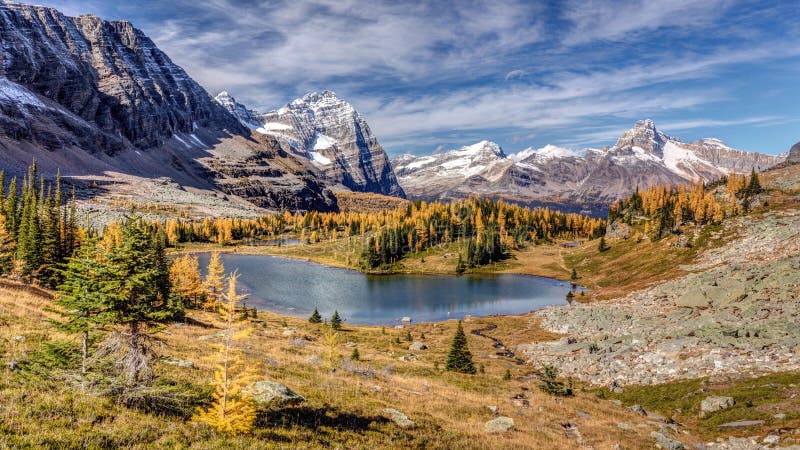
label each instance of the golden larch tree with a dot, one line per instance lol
(232, 411)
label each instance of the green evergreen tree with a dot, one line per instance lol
(408, 336)
(574, 275)
(754, 186)
(507, 375)
(82, 298)
(336, 321)
(12, 219)
(139, 293)
(601, 247)
(459, 359)
(355, 356)
(570, 297)
(29, 243)
(315, 317)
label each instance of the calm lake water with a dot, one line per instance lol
(295, 287)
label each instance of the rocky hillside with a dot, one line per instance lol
(331, 134)
(99, 101)
(641, 157)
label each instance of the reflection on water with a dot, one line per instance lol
(296, 287)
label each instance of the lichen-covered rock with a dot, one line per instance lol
(271, 393)
(399, 419)
(500, 424)
(715, 403)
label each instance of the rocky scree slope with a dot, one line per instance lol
(733, 314)
(331, 134)
(641, 157)
(94, 97)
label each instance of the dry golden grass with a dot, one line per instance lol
(342, 409)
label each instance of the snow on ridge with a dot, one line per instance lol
(14, 93)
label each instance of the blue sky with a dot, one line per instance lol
(436, 75)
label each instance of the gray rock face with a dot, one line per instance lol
(271, 393)
(642, 156)
(107, 74)
(330, 133)
(500, 424)
(714, 404)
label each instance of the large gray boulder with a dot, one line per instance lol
(665, 442)
(271, 393)
(713, 404)
(501, 424)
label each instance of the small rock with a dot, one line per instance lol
(667, 443)
(493, 409)
(625, 426)
(713, 404)
(273, 393)
(272, 362)
(406, 319)
(12, 366)
(772, 439)
(350, 344)
(501, 424)
(741, 424)
(417, 346)
(638, 410)
(407, 358)
(19, 338)
(779, 416)
(179, 363)
(399, 419)
(571, 431)
(582, 414)
(289, 331)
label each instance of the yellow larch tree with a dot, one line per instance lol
(232, 411)
(214, 282)
(184, 275)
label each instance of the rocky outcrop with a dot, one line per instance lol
(733, 314)
(794, 154)
(331, 134)
(641, 157)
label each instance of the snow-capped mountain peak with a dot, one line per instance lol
(330, 133)
(549, 151)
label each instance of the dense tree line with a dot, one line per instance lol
(662, 209)
(486, 231)
(429, 224)
(38, 228)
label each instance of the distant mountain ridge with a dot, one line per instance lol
(331, 134)
(641, 157)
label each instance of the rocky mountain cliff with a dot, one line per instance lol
(642, 156)
(98, 98)
(331, 134)
(794, 154)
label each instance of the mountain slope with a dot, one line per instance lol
(330, 133)
(99, 101)
(641, 157)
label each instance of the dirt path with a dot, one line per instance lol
(503, 351)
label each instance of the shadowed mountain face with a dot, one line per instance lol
(94, 98)
(642, 156)
(331, 134)
(794, 154)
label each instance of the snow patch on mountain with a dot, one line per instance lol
(322, 142)
(11, 92)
